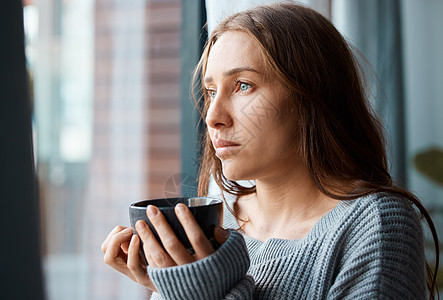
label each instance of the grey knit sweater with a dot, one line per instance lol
(369, 248)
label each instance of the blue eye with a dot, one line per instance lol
(244, 87)
(211, 93)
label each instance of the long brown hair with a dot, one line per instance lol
(341, 140)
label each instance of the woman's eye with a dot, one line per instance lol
(244, 86)
(212, 93)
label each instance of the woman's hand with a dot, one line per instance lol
(121, 253)
(174, 253)
(121, 247)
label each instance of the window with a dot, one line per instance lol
(106, 85)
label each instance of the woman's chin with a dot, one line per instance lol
(233, 172)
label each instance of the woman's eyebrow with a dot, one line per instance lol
(238, 70)
(232, 72)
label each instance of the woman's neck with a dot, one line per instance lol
(286, 207)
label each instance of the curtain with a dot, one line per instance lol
(422, 29)
(218, 10)
(402, 42)
(374, 29)
(117, 169)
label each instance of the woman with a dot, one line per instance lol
(285, 106)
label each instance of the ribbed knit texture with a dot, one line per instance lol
(368, 248)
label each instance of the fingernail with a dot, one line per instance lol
(180, 209)
(133, 239)
(152, 211)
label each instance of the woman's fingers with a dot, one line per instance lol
(137, 268)
(154, 252)
(113, 232)
(172, 252)
(202, 247)
(121, 251)
(133, 262)
(112, 247)
(114, 256)
(170, 242)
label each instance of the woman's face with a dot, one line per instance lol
(251, 128)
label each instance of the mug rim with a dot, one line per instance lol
(133, 205)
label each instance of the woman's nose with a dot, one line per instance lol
(218, 114)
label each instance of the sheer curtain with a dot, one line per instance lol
(422, 28)
(117, 170)
(373, 27)
(136, 148)
(218, 10)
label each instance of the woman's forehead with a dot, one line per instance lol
(234, 49)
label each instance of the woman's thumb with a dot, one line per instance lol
(221, 235)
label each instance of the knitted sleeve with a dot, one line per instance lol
(221, 275)
(384, 255)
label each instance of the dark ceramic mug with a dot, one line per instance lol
(207, 211)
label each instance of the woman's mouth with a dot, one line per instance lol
(224, 148)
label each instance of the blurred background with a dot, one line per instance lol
(113, 121)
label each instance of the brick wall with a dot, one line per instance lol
(163, 22)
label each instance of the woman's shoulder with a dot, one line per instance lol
(384, 214)
(382, 226)
(386, 206)
(372, 214)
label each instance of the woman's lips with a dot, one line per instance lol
(223, 148)
(219, 143)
